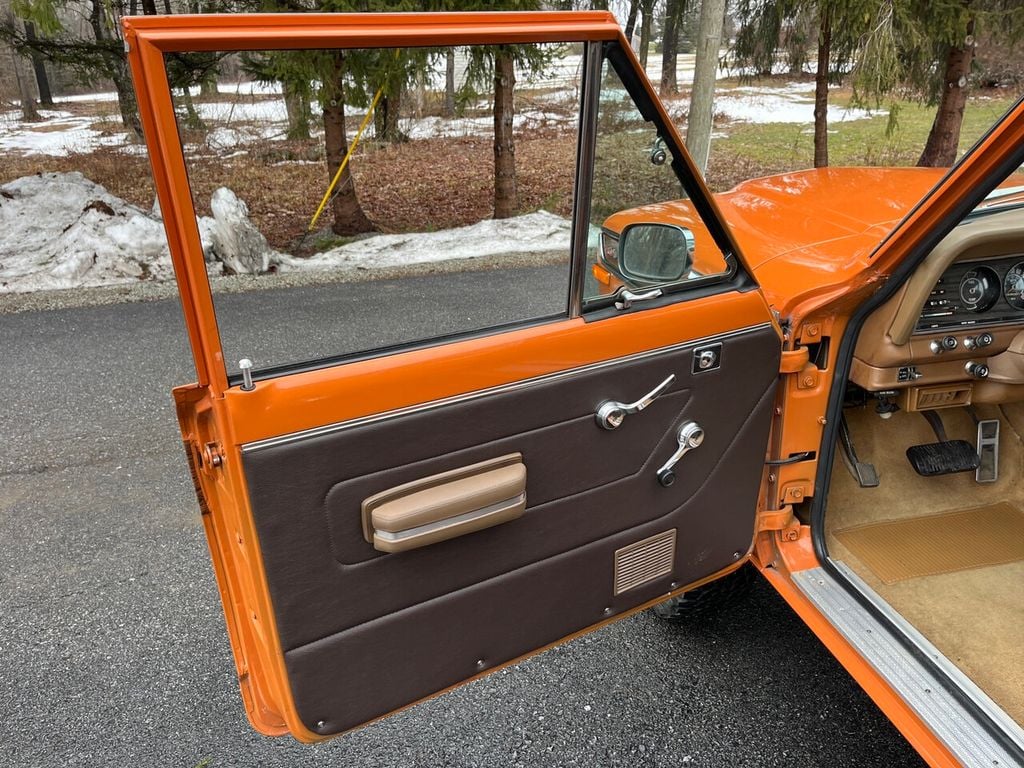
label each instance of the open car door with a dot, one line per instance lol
(391, 521)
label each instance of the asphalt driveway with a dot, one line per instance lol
(114, 650)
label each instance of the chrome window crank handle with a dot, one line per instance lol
(611, 413)
(691, 435)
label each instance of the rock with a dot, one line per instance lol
(235, 241)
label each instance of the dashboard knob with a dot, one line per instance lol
(984, 339)
(970, 342)
(977, 370)
(949, 342)
(936, 347)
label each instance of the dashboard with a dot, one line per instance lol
(970, 293)
(953, 333)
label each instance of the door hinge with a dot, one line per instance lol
(794, 360)
(797, 361)
(782, 520)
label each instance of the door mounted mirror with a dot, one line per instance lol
(655, 253)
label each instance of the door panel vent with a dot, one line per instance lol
(644, 561)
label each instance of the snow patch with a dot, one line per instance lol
(59, 134)
(60, 230)
(235, 239)
(539, 232)
(792, 103)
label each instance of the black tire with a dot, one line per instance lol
(710, 598)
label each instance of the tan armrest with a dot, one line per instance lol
(446, 505)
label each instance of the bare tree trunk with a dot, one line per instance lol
(448, 110)
(647, 11)
(821, 90)
(505, 196)
(208, 85)
(349, 218)
(26, 94)
(296, 104)
(702, 100)
(634, 6)
(192, 118)
(385, 119)
(39, 66)
(126, 102)
(419, 95)
(118, 72)
(670, 47)
(943, 142)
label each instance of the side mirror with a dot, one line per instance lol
(655, 253)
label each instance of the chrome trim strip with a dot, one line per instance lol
(271, 442)
(437, 525)
(924, 690)
(586, 148)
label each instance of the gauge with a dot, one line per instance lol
(979, 289)
(1013, 286)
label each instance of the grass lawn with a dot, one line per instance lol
(856, 142)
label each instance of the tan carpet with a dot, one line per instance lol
(926, 546)
(975, 616)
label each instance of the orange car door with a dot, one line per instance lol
(389, 523)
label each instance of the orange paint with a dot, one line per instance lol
(814, 265)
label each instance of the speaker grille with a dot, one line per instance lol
(644, 561)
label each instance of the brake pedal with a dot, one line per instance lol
(864, 473)
(988, 451)
(945, 458)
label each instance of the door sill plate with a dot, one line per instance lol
(926, 690)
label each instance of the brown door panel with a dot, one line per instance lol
(365, 632)
(553, 473)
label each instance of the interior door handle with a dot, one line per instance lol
(447, 505)
(611, 413)
(691, 435)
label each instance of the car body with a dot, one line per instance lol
(347, 595)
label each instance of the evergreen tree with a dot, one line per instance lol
(765, 28)
(927, 50)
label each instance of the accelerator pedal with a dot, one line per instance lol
(946, 457)
(988, 451)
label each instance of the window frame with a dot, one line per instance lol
(149, 39)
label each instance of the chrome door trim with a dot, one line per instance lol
(291, 437)
(587, 147)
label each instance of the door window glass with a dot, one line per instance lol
(357, 200)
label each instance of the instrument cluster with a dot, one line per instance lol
(976, 293)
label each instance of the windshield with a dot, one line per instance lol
(1007, 195)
